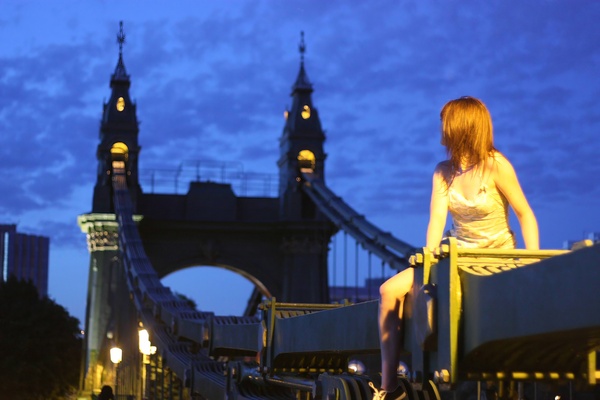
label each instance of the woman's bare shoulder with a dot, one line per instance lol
(498, 157)
(443, 172)
(443, 166)
(501, 168)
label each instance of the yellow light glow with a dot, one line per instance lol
(306, 161)
(119, 151)
(145, 344)
(116, 355)
(286, 114)
(120, 104)
(305, 112)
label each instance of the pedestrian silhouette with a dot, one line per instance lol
(106, 393)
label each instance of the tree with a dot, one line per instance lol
(40, 345)
(189, 301)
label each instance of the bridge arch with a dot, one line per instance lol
(203, 282)
(282, 262)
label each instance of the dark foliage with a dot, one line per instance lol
(40, 345)
(190, 301)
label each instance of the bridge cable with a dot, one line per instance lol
(369, 276)
(334, 261)
(356, 271)
(345, 264)
(394, 251)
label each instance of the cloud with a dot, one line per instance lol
(211, 84)
(383, 90)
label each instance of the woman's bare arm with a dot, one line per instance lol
(506, 181)
(438, 208)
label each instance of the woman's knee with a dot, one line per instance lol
(398, 285)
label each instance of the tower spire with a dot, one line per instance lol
(120, 72)
(121, 39)
(302, 81)
(302, 47)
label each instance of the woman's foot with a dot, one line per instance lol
(396, 394)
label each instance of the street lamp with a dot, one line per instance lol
(144, 341)
(146, 350)
(116, 356)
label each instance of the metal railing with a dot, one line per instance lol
(176, 180)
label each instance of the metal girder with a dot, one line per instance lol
(320, 340)
(235, 336)
(542, 318)
(508, 314)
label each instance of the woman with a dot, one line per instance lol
(476, 184)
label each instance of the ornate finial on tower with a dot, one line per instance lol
(120, 73)
(302, 81)
(302, 46)
(121, 38)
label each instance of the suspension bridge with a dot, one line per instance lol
(473, 315)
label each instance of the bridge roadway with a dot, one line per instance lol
(473, 315)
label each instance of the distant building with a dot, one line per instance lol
(25, 257)
(356, 294)
(591, 238)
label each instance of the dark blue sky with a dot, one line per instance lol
(212, 78)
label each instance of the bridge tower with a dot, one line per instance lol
(107, 290)
(279, 243)
(118, 137)
(300, 148)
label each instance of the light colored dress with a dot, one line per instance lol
(481, 222)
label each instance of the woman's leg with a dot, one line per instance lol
(392, 294)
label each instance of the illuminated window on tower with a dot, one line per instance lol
(306, 161)
(119, 151)
(306, 112)
(120, 104)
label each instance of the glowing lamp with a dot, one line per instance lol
(116, 355)
(144, 342)
(356, 367)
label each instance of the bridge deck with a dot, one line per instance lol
(493, 314)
